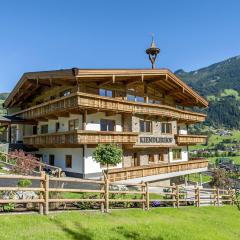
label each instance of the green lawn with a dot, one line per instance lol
(194, 177)
(189, 223)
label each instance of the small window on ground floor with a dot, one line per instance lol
(68, 161)
(177, 154)
(51, 160)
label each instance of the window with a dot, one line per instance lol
(73, 124)
(151, 159)
(57, 126)
(51, 160)
(145, 126)
(105, 92)
(130, 97)
(135, 98)
(166, 128)
(65, 93)
(139, 99)
(68, 161)
(160, 157)
(136, 160)
(153, 101)
(177, 154)
(44, 129)
(34, 130)
(107, 125)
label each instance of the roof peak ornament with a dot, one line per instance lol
(152, 52)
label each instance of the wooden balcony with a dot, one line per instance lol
(79, 101)
(190, 139)
(78, 137)
(156, 169)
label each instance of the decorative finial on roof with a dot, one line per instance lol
(152, 52)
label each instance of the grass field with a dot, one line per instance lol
(189, 223)
(194, 177)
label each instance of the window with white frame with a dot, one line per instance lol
(145, 126)
(166, 128)
(177, 154)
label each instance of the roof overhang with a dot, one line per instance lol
(163, 78)
(8, 120)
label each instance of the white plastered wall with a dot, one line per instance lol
(60, 153)
(91, 166)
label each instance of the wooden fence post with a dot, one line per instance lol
(143, 196)
(198, 196)
(106, 194)
(218, 197)
(147, 194)
(174, 195)
(232, 196)
(102, 187)
(177, 195)
(214, 196)
(46, 197)
(42, 193)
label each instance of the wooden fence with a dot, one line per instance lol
(107, 194)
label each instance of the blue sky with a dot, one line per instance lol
(56, 34)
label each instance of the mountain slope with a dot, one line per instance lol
(212, 80)
(220, 84)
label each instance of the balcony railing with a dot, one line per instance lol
(79, 137)
(156, 169)
(89, 101)
(190, 139)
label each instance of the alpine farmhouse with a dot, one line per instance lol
(61, 116)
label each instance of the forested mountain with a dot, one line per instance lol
(220, 84)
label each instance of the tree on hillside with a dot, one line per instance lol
(220, 178)
(108, 154)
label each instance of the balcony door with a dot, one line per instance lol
(107, 125)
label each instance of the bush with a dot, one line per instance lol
(24, 183)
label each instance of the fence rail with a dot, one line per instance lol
(109, 194)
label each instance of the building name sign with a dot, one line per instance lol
(156, 140)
